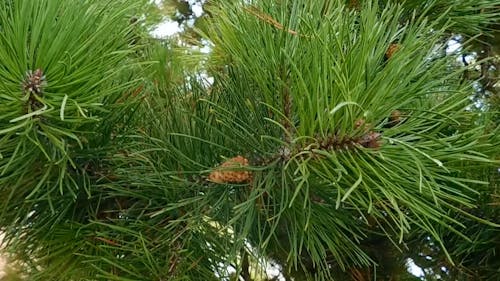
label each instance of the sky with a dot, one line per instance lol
(169, 27)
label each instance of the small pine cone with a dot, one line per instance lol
(354, 4)
(317, 199)
(223, 174)
(370, 140)
(34, 82)
(393, 48)
(359, 123)
(395, 118)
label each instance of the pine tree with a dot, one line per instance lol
(335, 141)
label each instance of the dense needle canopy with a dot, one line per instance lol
(336, 141)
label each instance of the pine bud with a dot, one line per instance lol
(34, 81)
(33, 85)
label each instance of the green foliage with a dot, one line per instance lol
(81, 68)
(318, 75)
(469, 17)
(357, 156)
(65, 69)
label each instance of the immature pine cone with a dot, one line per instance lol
(370, 140)
(223, 174)
(393, 48)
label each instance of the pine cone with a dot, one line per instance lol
(354, 4)
(393, 48)
(370, 140)
(395, 118)
(359, 123)
(223, 174)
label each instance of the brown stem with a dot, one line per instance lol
(245, 265)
